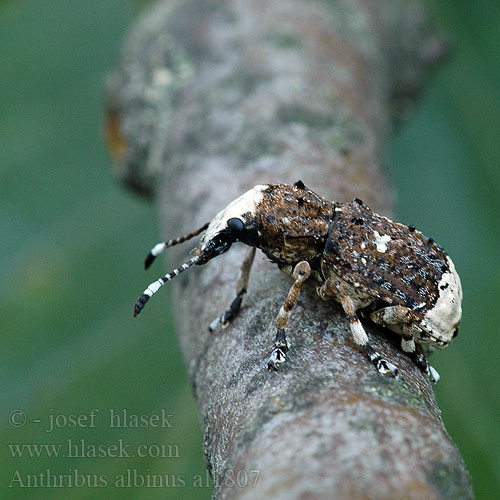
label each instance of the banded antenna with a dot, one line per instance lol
(156, 285)
(158, 248)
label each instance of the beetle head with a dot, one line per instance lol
(237, 222)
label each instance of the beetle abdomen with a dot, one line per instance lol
(392, 262)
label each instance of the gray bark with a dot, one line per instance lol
(213, 97)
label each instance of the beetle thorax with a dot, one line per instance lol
(292, 223)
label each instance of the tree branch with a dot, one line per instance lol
(213, 97)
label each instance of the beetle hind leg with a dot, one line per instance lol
(421, 362)
(301, 272)
(333, 288)
(404, 317)
(241, 288)
(408, 345)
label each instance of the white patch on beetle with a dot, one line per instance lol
(358, 333)
(381, 241)
(440, 321)
(246, 203)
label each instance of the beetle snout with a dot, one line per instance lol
(218, 245)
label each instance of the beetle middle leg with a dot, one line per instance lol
(401, 319)
(301, 272)
(332, 288)
(241, 288)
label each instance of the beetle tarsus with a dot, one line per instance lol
(381, 364)
(278, 355)
(433, 375)
(422, 363)
(385, 367)
(281, 341)
(233, 309)
(226, 317)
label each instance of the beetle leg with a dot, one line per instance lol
(393, 316)
(403, 316)
(399, 319)
(333, 288)
(422, 363)
(241, 288)
(301, 272)
(420, 360)
(408, 345)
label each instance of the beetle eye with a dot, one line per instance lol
(236, 225)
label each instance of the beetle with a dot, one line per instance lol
(387, 271)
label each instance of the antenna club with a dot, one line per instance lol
(156, 285)
(149, 260)
(141, 302)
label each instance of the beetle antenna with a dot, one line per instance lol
(158, 248)
(156, 285)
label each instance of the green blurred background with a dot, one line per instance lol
(72, 242)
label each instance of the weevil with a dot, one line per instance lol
(389, 272)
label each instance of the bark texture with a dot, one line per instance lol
(213, 97)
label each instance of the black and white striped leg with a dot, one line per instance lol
(301, 272)
(333, 288)
(156, 285)
(241, 288)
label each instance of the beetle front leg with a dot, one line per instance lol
(300, 273)
(333, 288)
(241, 288)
